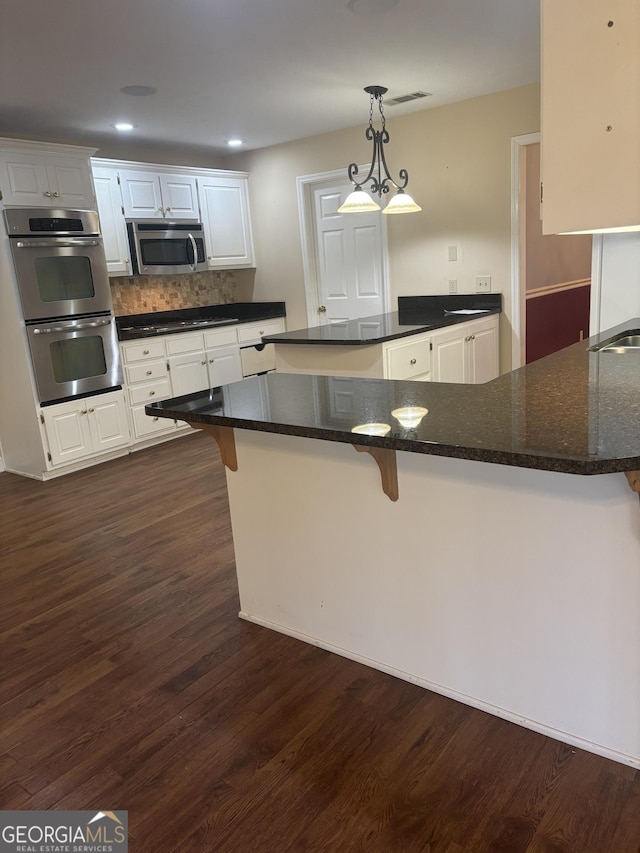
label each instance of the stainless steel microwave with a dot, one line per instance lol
(166, 248)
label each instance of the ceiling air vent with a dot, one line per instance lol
(403, 99)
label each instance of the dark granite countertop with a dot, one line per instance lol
(415, 314)
(133, 326)
(575, 411)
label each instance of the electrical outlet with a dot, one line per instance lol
(453, 285)
(483, 284)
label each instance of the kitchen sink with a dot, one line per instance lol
(624, 343)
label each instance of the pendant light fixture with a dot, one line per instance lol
(360, 201)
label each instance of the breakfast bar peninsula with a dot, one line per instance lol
(484, 541)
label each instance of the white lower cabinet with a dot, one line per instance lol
(408, 358)
(174, 365)
(467, 352)
(83, 428)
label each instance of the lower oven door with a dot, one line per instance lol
(74, 357)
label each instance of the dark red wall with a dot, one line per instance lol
(556, 321)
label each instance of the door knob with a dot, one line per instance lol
(322, 309)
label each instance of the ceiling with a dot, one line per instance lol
(267, 71)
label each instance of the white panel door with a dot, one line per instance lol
(483, 363)
(449, 358)
(112, 223)
(108, 421)
(26, 180)
(226, 221)
(224, 366)
(68, 431)
(188, 373)
(179, 196)
(350, 258)
(141, 195)
(70, 182)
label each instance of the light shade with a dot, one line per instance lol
(358, 202)
(402, 203)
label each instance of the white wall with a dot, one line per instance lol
(616, 280)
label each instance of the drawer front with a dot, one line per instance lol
(141, 350)
(183, 343)
(221, 337)
(147, 392)
(257, 361)
(145, 372)
(252, 333)
(406, 361)
(144, 425)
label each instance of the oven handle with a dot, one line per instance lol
(195, 252)
(72, 327)
(55, 243)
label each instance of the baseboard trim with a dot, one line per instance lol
(495, 710)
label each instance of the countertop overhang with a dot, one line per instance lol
(575, 412)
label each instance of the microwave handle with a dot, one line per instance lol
(70, 327)
(195, 252)
(55, 242)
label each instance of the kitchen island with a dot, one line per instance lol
(451, 338)
(494, 575)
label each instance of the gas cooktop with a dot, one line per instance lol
(177, 325)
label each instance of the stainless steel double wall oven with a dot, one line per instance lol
(63, 283)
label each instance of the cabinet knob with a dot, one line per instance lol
(152, 393)
(473, 337)
(47, 194)
(156, 419)
(145, 352)
(413, 361)
(211, 360)
(167, 210)
(204, 362)
(83, 411)
(56, 194)
(149, 372)
(91, 410)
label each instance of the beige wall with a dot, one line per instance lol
(459, 163)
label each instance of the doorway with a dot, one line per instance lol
(551, 274)
(344, 256)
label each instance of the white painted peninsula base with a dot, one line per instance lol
(513, 590)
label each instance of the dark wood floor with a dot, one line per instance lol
(129, 683)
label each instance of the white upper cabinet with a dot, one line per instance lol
(149, 195)
(224, 202)
(112, 222)
(590, 115)
(39, 175)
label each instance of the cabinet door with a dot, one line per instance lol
(107, 415)
(408, 359)
(179, 197)
(112, 222)
(24, 179)
(224, 366)
(69, 180)
(141, 195)
(449, 358)
(590, 115)
(68, 431)
(188, 373)
(483, 362)
(224, 203)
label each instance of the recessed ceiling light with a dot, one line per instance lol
(123, 126)
(138, 90)
(234, 143)
(371, 7)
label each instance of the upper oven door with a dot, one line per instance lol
(61, 276)
(175, 248)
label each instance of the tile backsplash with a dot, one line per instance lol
(141, 294)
